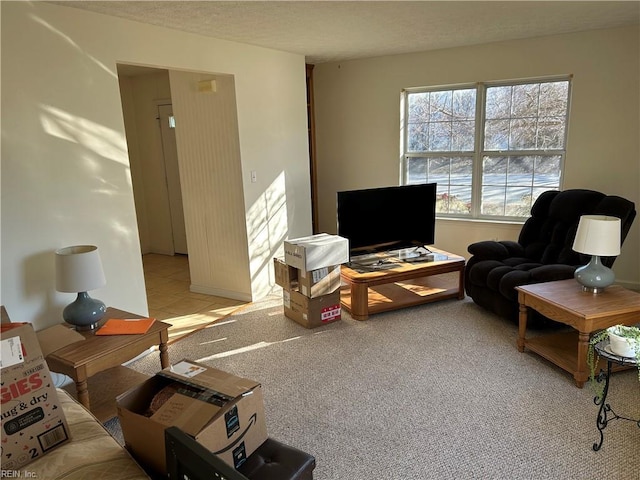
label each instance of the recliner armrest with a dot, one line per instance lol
(496, 250)
(552, 272)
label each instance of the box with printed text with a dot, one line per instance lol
(33, 422)
(221, 411)
(312, 312)
(316, 251)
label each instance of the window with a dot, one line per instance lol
(491, 148)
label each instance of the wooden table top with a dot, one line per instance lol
(400, 267)
(568, 295)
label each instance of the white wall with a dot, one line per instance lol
(211, 178)
(65, 169)
(358, 117)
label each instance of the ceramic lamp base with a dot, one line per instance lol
(594, 276)
(85, 312)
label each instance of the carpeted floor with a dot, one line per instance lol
(431, 392)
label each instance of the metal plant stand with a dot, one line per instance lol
(606, 414)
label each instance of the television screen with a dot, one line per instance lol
(387, 218)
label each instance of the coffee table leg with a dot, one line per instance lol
(522, 325)
(580, 375)
(359, 301)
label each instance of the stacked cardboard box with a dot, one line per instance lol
(310, 277)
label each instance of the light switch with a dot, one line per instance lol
(254, 176)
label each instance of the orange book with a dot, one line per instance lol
(126, 326)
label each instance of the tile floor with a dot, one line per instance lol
(167, 281)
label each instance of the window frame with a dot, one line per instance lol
(479, 153)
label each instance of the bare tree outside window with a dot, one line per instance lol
(514, 132)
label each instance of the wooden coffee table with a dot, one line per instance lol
(103, 356)
(565, 302)
(402, 285)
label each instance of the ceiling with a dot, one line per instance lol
(326, 31)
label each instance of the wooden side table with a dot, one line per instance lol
(565, 302)
(96, 354)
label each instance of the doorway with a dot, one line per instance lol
(210, 174)
(172, 176)
(148, 117)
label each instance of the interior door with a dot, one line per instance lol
(167, 132)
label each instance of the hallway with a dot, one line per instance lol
(167, 284)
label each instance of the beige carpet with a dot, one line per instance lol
(432, 392)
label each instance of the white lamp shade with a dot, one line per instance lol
(598, 235)
(79, 269)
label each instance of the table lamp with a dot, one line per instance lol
(597, 235)
(78, 270)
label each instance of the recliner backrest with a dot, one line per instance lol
(547, 236)
(537, 231)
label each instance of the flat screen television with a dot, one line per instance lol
(387, 218)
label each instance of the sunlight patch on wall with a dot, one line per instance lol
(70, 41)
(99, 139)
(267, 228)
(119, 227)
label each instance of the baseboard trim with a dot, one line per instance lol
(219, 292)
(629, 285)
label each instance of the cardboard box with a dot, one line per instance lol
(286, 276)
(312, 312)
(222, 412)
(314, 283)
(4, 316)
(33, 422)
(316, 251)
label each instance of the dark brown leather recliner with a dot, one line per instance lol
(543, 252)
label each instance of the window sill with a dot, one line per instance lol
(481, 220)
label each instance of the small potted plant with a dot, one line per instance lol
(624, 341)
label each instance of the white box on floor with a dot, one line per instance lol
(317, 251)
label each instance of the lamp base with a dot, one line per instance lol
(594, 276)
(593, 290)
(85, 312)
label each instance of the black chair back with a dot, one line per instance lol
(189, 460)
